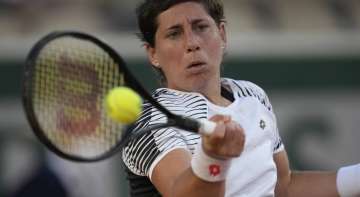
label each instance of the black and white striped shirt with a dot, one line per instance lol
(141, 155)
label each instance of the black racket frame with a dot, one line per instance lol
(130, 81)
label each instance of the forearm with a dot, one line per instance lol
(189, 185)
(204, 177)
(344, 182)
(312, 184)
(174, 176)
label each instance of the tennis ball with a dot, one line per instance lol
(123, 105)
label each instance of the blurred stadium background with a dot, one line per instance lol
(305, 53)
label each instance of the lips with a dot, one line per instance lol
(196, 67)
(196, 64)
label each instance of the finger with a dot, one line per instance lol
(234, 137)
(220, 118)
(219, 132)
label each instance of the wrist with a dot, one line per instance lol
(209, 168)
(348, 181)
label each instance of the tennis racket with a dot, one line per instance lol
(67, 76)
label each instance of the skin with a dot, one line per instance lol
(186, 35)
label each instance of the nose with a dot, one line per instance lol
(192, 43)
(192, 48)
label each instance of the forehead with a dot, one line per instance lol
(182, 12)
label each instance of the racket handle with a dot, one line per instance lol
(206, 127)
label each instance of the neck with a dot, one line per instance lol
(213, 93)
(211, 89)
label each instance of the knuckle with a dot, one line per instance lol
(236, 153)
(218, 118)
(214, 118)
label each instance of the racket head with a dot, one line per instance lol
(67, 75)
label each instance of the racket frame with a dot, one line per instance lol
(27, 99)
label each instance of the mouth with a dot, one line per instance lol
(196, 64)
(196, 67)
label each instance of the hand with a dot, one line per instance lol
(227, 141)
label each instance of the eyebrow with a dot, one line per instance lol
(178, 26)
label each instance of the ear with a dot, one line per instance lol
(151, 53)
(222, 30)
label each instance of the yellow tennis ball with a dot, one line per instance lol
(123, 105)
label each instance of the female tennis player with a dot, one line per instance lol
(185, 41)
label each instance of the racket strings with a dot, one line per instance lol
(72, 77)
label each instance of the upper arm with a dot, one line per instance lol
(283, 173)
(140, 155)
(169, 168)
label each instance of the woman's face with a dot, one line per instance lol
(189, 47)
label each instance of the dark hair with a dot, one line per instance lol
(148, 11)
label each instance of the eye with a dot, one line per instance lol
(173, 34)
(201, 27)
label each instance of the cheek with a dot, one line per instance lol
(170, 60)
(213, 44)
(170, 54)
(215, 52)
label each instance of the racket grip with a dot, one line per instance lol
(206, 127)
